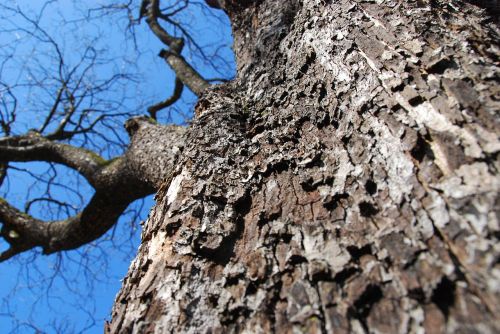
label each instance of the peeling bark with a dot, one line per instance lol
(346, 181)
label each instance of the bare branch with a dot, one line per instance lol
(179, 86)
(23, 232)
(53, 110)
(117, 183)
(60, 204)
(184, 72)
(33, 147)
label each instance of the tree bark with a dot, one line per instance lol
(148, 160)
(345, 181)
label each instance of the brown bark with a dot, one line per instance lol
(148, 161)
(117, 182)
(346, 181)
(184, 72)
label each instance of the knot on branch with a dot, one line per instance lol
(9, 234)
(20, 235)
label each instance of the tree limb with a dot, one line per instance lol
(33, 147)
(184, 72)
(117, 183)
(23, 232)
(153, 110)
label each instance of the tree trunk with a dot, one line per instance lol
(346, 181)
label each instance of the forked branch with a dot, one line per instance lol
(184, 72)
(117, 183)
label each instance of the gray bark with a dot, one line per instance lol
(149, 159)
(346, 181)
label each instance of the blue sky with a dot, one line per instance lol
(73, 292)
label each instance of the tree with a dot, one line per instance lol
(76, 111)
(60, 75)
(346, 180)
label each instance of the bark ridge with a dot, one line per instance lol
(346, 181)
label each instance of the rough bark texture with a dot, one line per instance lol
(149, 160)
(346, 181)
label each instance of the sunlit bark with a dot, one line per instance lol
(346, 181)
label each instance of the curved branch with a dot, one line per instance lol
(175, 44)
(117, 183)
(153, 110)
(23, 232)
(15, 225)
(183, 70)
(29, 204)
(96, 219)
(33, 147)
